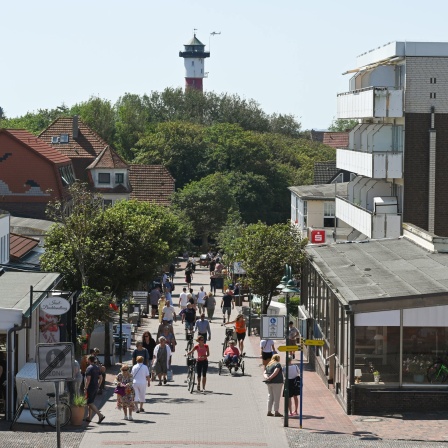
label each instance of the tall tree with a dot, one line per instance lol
(342, 125)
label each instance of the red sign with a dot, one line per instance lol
(317, 236)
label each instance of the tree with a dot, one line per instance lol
(264, 251)
(342, 125)
(206, 203)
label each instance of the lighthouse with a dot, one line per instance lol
(194, 55)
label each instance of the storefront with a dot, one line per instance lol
(382, 308)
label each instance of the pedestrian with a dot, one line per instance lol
(274, 379)
(183, 299)
(170, 339)
(231, 354)
(141, 378)
(149, 343)
(168, 297)
(203, 328)
(292, 335)
(125, 398)
(210, 305)
(213, 284)
(96, 353)
(212, 267)
(140, 351)
(160, 306)
(73, 386)
(203, 352)
(293, 387)
(161, 360)
(240, 329)
(154, 297)
(200, 299)
(189, 319)
(93, 380)
(172, 271)
(188, 276)
(267, 350)
(168, 315)
(227, 305)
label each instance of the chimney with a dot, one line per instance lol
(75, 127)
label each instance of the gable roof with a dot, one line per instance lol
(336, 139)
(324, 171)
(151, 183)
(87, 143)
(37, 145)
(108, 158)
(20, 245)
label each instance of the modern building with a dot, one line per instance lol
(381, 304)
(194, 55)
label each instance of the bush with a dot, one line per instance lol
(294, 302)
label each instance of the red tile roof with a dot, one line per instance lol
(108, 158)
(336, 139)
(37, 145)
(87, 144)
(151, 183)
(20, 245)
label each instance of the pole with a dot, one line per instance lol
(249, 329)
(120, 344)
(286, 388)
(58, 423)
(301, 382)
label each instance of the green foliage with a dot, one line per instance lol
(79, 401)
(264, 251)
(294, 302)
(341, 125)
(229, 237)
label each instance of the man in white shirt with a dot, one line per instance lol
(200, 296)
(168, 314)
(183, 299)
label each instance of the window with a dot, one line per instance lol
(305, 214)
(104, 178)
(119, 178)
(329, 214)
(107, 203)
(432, 80)
(64, 138)
(67, 175)
(432, 95)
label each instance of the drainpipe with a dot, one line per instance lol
(352, 361)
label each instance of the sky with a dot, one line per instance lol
(288, 55)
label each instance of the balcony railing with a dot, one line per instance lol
(371, 102)
(373, 225)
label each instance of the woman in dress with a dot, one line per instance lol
(210, 305)
(160, 307)
(161, 360)
(125, 402)
(293, 387)
(274, 379)
(203, 353)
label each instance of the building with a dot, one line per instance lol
(381, 304)
(32, 173)
(194, 55)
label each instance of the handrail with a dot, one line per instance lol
(365, 89)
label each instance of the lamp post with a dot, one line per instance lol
(287, 287)
(120, 339)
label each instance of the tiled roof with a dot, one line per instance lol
(20, 245)
(87, 144)
(108, 158)
(336, 139)
(151, 183)
(324, 172)
(37, 145)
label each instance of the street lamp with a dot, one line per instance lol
(288, 287)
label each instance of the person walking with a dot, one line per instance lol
(203, 352)
(291, 336)
(161, 305)
(183, 299)
(149, 343)
(172, 271)
(168, 315)
(93, 380)
(188, 276)
(267, 350)
(140, 351)
(240, 329)
(274, 379)
(154, 297)
(161, 361)
(227, 305)
(202, 326)
(210, 305)
(293, 387)
(141, 378)
(125, 399)
(200, 299)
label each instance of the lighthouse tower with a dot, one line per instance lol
(194, 56)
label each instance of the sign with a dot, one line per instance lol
(54, 361)
(313, 341)
(141, 294)
(272, 327)
(55, 305)
(317, 236)
(288, 348)
(237, 268)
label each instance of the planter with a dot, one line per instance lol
(78, 413)
(419, 377)
(376, 378)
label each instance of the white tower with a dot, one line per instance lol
(194, 56)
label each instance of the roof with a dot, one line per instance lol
(87, 144)
(20, 245)
(382, 269)
(36, 225)
(108, 158)
(152, 183)
(195, 41)
(37, 145)
(324, 172)
(319, 192)
(336, 139)
(15, 288)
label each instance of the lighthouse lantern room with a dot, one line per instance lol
(194, 56)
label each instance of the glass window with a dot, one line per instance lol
(107, 203)
(119, 178)
(104, 178)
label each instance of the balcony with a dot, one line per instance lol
(371, 102)
(374, 224)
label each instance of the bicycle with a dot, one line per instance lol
(49, 414)
(438, 372)
(191, 363)
(189, 342)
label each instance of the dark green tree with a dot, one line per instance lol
(342, 125)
